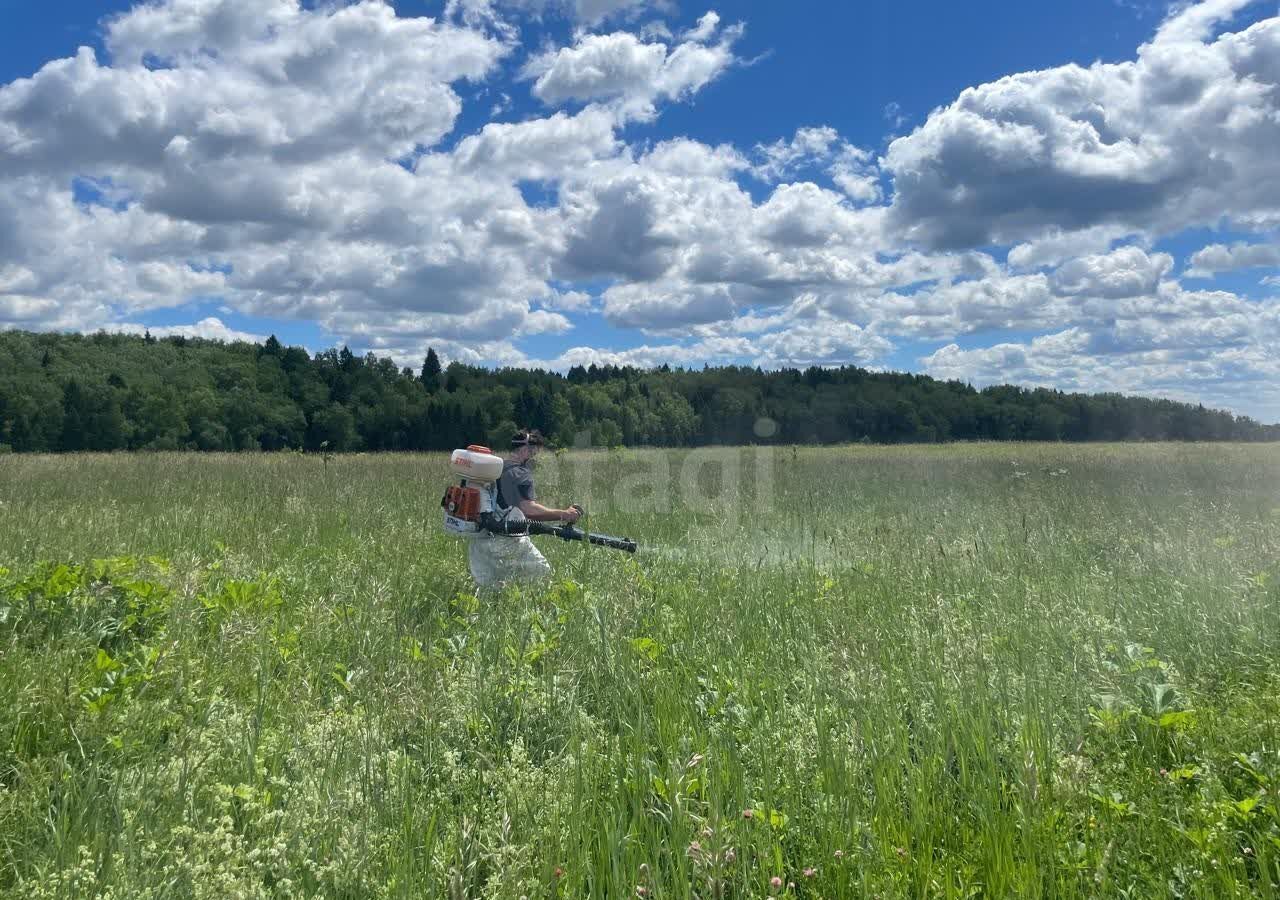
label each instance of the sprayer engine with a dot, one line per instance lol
(475, 496)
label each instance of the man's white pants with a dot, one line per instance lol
(498, 559)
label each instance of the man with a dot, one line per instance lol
(498, 559)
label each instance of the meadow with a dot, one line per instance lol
(937, 671)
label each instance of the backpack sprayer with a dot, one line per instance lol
(471, 506)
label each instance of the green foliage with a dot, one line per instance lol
(232, 598)
(430, 375)
(915, 672)
(66, 392)
(499, 437)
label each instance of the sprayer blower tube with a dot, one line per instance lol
(495, 525)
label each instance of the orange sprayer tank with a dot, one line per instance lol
(478, 470)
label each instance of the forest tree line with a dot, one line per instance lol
(71, 392)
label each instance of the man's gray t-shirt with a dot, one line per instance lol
(516, 484)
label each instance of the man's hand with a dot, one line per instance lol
(536, 512)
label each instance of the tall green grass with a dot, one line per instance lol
(1042, 671)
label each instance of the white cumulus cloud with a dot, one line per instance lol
(1215, 258)
(630, 73)
(1185, 134)
(1126, 272)
(210, 328)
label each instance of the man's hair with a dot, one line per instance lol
(528, 437)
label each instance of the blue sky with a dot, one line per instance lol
(548, 182)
